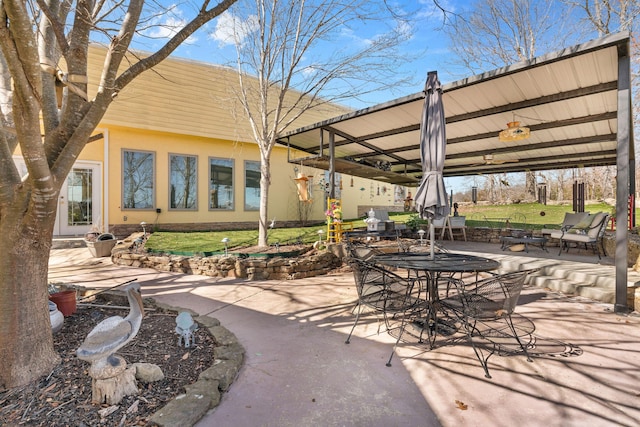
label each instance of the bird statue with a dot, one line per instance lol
(113, 333)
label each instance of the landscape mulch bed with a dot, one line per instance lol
(63, 398)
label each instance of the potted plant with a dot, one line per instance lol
(415, 222)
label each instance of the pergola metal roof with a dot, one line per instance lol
(569, 100)
(577, 103)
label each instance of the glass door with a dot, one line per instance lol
(79, 202)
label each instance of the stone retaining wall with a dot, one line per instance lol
(276, 268)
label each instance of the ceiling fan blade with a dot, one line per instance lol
(501, 162)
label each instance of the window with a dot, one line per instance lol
(80, 197)
(220, 184)
(183, 182)
(138, 177)
(251, 186)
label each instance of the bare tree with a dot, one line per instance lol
(35, 37)
(496, 33)
(309, 46)
(608, 17)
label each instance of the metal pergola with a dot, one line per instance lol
(576, 103)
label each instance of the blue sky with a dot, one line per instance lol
(428, 45)
(427, 49)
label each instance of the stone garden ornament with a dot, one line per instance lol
(111, 379)
(185, 327)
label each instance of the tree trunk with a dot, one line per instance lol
(26, 342)
(265, 181)
(530, 178)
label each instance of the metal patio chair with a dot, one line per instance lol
(379, 290)
(486, 311)
(592, 234)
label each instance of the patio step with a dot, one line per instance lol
(600, 293)
(573, 273)
(67, 242)
(594, 281)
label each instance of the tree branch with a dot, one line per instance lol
(202, 18)
(56, 25)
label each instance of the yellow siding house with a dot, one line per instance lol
(176, 152)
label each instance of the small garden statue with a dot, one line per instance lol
(372, 222)
(185, 327)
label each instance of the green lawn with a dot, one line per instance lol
(523, 215)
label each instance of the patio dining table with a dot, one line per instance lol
(431, 270)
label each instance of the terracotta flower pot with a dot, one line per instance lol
(66, 301)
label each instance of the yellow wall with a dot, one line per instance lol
(282, 197)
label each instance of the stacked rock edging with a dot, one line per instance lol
(252, 268)
(200, 397)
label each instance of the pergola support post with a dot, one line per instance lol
(623, 164)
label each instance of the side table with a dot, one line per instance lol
(508, 241)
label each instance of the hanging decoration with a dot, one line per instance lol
(514, 132)
(302, 184)
(352, 181)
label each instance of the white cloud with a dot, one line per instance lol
(354, 38)
(168, 26)
(231, 29)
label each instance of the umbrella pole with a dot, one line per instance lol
(431, 236)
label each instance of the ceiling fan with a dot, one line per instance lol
(490, 160)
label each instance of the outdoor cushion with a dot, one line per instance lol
(580, 238)
(582, 225)
(556, 234)
(570, 219)
(594, 228)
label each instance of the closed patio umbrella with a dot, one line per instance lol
(431, 197)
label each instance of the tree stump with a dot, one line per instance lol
(110, 384)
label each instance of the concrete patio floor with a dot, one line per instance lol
(299, 372)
